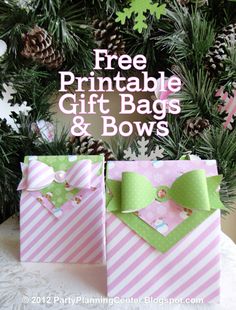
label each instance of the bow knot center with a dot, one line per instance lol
(162, 193)
(60, 176)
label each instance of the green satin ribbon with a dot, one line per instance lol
(192, 190)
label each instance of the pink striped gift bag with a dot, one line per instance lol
(62, 209)
(163, 230)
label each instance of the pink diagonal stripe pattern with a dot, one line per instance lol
(25, 201)
(96, 259)
(180, 274)
(214, 296)
(203, 287)
(148, 268)
(214, 262)
(55, 225)
(157, 260)
(80, 233)
(39, 174)
(186, 268)
(80, 175)
(91, 240)
(64, 226)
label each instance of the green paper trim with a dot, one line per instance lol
(192, 190)
(156, 239)
(58, 159)
(148, 233)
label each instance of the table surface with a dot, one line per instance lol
(63, 284)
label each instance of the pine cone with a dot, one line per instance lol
(218, 54)
(89, 146)
(107, 35)
(39, 47)
(195, 126)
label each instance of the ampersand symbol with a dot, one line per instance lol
(80, 127)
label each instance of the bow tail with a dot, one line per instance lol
(213, 184)
(113, 196)
(23, 183)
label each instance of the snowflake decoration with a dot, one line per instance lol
(6, 109)
(229, 106)
(143, 153)
(138, 8)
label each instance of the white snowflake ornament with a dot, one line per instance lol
(143, 153)
(6, 109)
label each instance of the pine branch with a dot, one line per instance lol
(187, 41)
(66, 21)
(197, 95)
(14, 21)
(118, 145)
(229, 75)
(222, 11)
(57, 147)
(176, 143)
(50, 7)
(145, 44)
(189, 38)
(10, 142)
(220, 144)
(102, 8)
(34, 87)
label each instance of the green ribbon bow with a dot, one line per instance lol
(192, 190)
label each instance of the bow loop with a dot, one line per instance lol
(191, 191)
(36, 175)
(136, 192)
(79, 175)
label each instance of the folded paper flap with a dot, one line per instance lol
(58, 182)
(40, 171)
(191, 183)
(39, 175)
